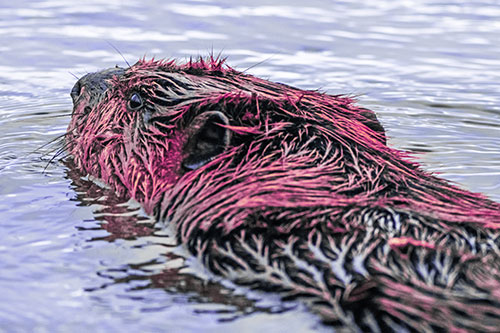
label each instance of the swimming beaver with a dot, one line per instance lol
(294, 192)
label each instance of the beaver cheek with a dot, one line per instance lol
(168, 163)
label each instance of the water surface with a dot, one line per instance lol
(73, 257)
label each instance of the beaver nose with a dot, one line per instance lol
(95, 83)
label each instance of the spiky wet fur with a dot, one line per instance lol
(307, 201)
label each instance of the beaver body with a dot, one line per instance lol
(294, 192)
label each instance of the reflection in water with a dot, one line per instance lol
(123, 220)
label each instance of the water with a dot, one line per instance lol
(72, 257)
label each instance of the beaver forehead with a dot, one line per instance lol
(180, 83)
(197, 80)
(133, 77)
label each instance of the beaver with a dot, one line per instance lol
(293, 192)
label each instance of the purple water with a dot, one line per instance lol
(429, 68)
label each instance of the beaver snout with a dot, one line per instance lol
(94, 84)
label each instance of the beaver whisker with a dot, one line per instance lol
(74, 75)
(57, 140)
(64, 145)
(59, 152)
(121, 54)
(61, 115)
(258, 63)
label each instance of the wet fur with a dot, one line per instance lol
(307, 200)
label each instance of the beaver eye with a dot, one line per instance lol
(134, 102)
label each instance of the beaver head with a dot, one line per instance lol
(143, 128)
(288, 189)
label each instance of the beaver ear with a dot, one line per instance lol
(206, 139)
(373, 123)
